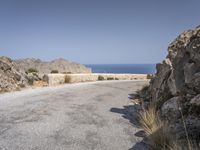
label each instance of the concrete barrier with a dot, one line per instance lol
(56, 79)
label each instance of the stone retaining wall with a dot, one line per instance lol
(56, 79)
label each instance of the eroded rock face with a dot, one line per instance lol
(170, 109)
(179, 74)
(196, 100)
(11, 78)
(177, 81)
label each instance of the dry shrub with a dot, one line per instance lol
(149, 120)
(155, 129)
(110, 78)
(54, 71)
(149, 76)
(68, 79)
(100, 78)
(160, 134)
(31, 70)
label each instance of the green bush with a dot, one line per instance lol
(116, 78)
(54, 71)
(68, 79)
(100, 78)
(32, 70)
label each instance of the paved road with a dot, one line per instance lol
(84, 116)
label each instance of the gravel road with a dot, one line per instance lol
(83, 116)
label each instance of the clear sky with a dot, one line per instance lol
(94, 31)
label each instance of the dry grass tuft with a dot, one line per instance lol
(68, 79)
(149, 120)
(159, 133)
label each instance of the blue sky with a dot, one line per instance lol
(94, 31)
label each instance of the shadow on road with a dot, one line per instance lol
(131, 112)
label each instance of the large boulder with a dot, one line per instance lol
(170, 109)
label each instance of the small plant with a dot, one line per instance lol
(160, 134)
(116, 78)
(67, 72)
(68, 79)
(100, 78)
(149, 120)
(54, 71)
(110, 78)
(31, 70)
(149, 76)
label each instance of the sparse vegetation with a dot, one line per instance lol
(110, 78)
(145, 88)
(67, 72)
(160, 134)
(54, 71)
(68, 79)
(31, 70)
(116, 78)
(149, 76)
(160, 137)
(100, 78)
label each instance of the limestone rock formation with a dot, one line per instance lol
(177, 81)
(60, 65)
(11, 77)
(15, 74)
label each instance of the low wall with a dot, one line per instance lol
(56, 79)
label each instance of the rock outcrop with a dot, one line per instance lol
(11, 77)
(60, 65)
(15, 74)
(175, 87)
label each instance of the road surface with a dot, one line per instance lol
(83, 116)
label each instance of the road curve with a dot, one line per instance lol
(83, 116)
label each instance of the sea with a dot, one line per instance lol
(123, 68)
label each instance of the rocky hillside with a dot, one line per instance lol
(11, 77)
(60, 65)
(175, 88)
(15, 74)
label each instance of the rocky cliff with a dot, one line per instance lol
(60, 65)
(175, 88)
(11, 77)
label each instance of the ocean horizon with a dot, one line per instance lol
(123, 68)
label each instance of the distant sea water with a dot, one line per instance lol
(123, 68)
